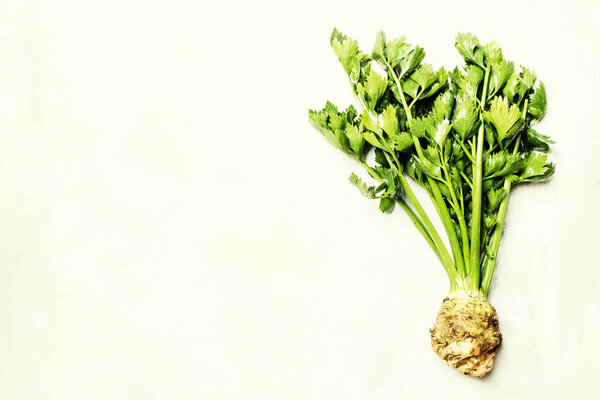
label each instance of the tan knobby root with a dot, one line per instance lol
(466, 334)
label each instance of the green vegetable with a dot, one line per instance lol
(466, 137)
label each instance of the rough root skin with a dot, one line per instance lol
(466, 334)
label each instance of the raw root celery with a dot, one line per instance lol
(466, 137)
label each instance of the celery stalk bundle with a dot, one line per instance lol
(466, 137)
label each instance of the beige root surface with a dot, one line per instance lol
(466, 334)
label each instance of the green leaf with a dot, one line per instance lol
(374, 88)
(535, 165)
(506, 120)
(390, 178)
(371, 138)
(527, 77)
(469, 81)
(371, 129)
(331, 124)
(513, 164)
(342, 129)
(330, 108)
(336, 121)
(386, 205)
(441, 132)
(461, 166)
(493, 163)
(381, 159)
(440, 80)
(355, 139)
(379, 46)
(537, 102)
(489, 220)
(318, 119)
(501, 164)
(396, 50)
(549, 172)
(348, 53)
(402, 141)
(367, 191)
(411, 61)
(433, 155)
(493, 52)
(468, 46)
(442, 76)
(537, 141)
(514, 90)
(390, 120)
(456, 179)
(414, 171)
(428, 168)
(433, 89)
(351, 114)
(335, 140)
(488, 184)
(424, 76)
(421, 126)
(457, 151)
(466, 118)
(488, 133)
(342, 141)
(410, 87)
(367, 120)
(495, 196)
(442, 106)
(500, 73)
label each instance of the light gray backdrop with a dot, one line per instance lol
(171, 227)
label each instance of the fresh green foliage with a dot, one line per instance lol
(505, 119)
(465, 136)
(340, 128)
(367, 191)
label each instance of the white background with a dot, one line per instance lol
(171, 227)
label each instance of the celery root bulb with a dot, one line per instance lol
(466, 334)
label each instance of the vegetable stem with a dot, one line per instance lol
(462, 145)
(459, 215)
(437, 200)
(490, 262)
(440, 206)
(400, 93)
(424, 226)
(447, 263)
(474, 271)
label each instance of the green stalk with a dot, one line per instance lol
(419, 225)
(425, 227)
(447, 263)
(440, 248)
(401, 93)
(490, 262)
(437, 198)
(447, 260)
(440, 206)
(462, 144)
(495, 243)
(445, 257)
(459, 214)
(451, 271)
(477, 189)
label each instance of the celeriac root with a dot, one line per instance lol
(466, 334)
